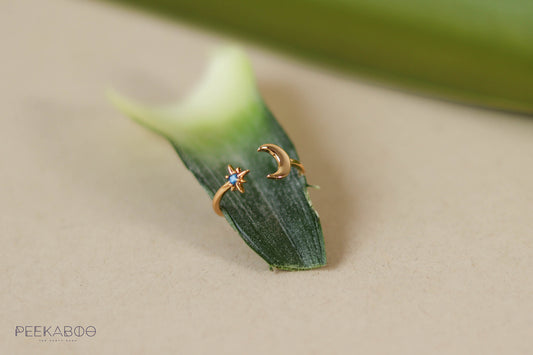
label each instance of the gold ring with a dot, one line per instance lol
(235, 181)
(283, 159)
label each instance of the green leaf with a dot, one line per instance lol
(223, 122)
(474, 51)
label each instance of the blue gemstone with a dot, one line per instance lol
(233, 179)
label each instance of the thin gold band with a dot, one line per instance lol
(235, 181)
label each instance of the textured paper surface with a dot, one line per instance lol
(427, 206)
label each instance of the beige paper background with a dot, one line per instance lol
(426, 206)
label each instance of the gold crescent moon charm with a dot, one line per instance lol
(283, 159)
(235, 181)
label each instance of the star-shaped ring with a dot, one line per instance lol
(235, 179)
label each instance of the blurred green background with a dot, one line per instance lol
(478, 52)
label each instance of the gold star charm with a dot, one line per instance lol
(235, 178)
(235, 181)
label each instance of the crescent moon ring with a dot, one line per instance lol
(235, 179)
(283, 159)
